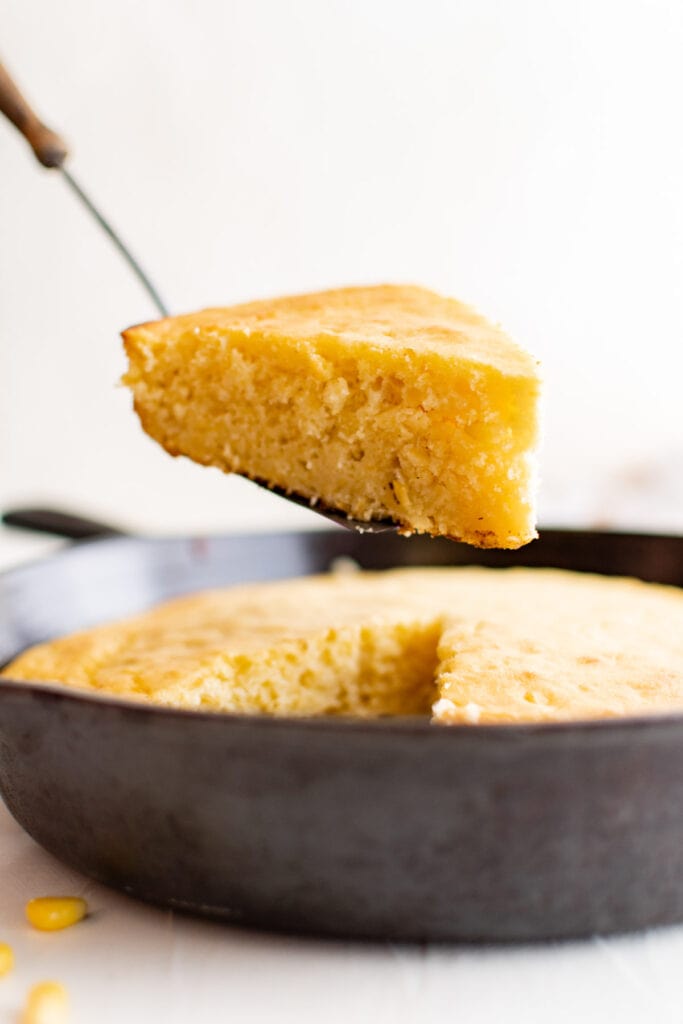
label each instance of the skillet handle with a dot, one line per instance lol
(58, 524)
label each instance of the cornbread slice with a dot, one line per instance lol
(384, 402)
(470, 645)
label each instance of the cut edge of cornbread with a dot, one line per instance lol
(362, 671)
(384, 402)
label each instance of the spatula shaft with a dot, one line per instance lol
(51, 150)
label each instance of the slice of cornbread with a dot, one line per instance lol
(471, 645)
(383, 402)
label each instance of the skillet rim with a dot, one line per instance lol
(71, 548)
(401, 724)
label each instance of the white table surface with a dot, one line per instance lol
(133, 963)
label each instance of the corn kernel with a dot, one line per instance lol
(46, 1003)
(6, 959)
(52, 913)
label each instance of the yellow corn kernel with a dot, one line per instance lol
(52, 913)
(46, 1003)
(6, 959)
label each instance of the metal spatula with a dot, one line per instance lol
(51, 151)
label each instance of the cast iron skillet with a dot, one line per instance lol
(390, 829)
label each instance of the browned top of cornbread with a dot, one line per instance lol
(383, 316)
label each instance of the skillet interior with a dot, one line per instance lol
(389, 829)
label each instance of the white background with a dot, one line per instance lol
(525, 156)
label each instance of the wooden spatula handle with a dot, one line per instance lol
(48, 147)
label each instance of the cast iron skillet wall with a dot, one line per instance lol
(392, 829)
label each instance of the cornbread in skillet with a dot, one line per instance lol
(383, 402)
(468, 645)
(544, 645)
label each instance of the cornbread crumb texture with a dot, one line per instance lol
(384, 402)
(476, 645)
